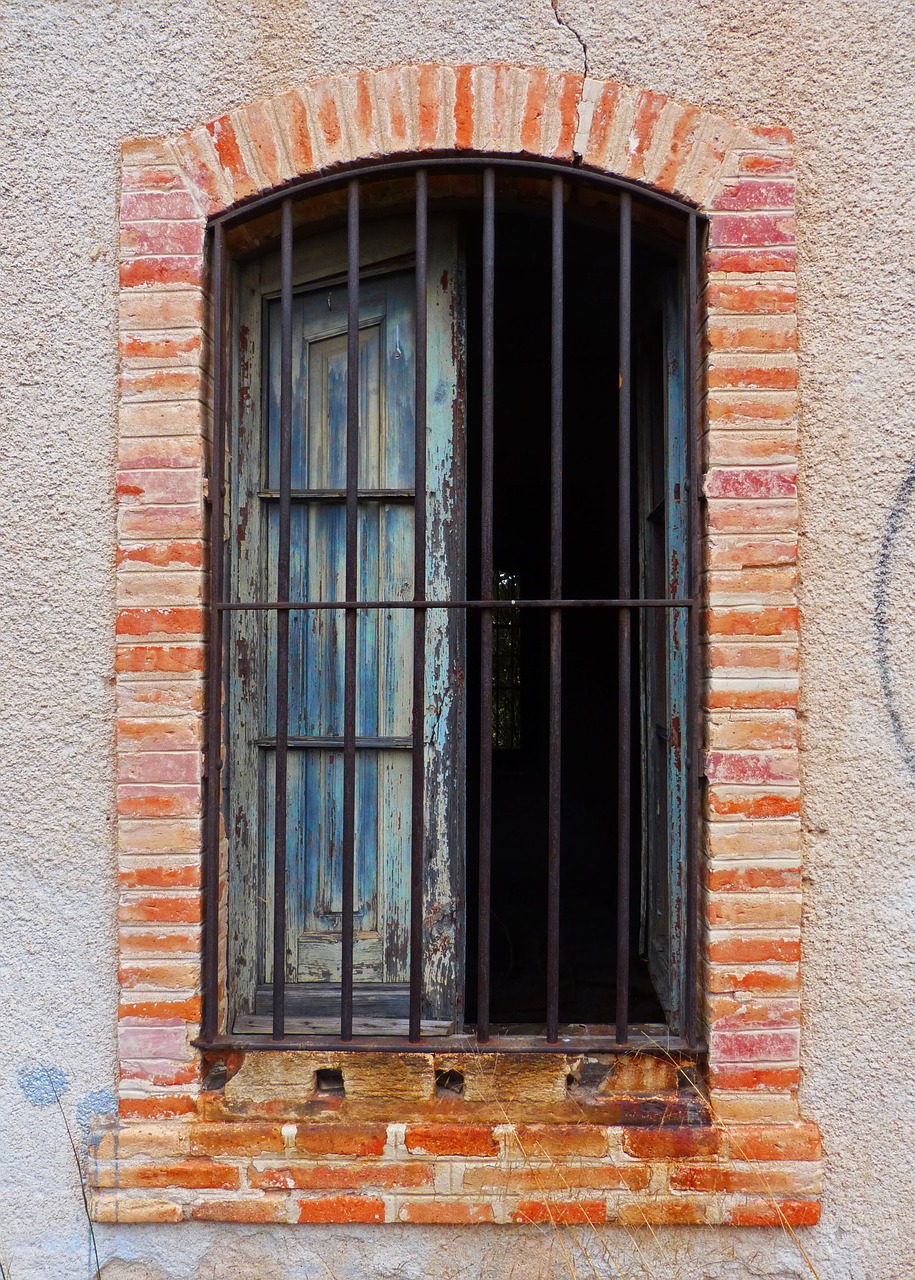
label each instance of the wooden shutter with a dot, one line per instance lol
(384, 663)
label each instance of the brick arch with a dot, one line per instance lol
(743, 178)
(407, 110)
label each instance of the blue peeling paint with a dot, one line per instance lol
(43, 1085)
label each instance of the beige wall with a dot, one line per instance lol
(81, 76)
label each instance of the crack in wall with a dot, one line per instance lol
(563, 22)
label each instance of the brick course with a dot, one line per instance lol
(179, 1152)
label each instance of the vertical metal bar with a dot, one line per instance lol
(210, 951)
(282, 627)
(486, 615)
(692, 650)
(352, 588)
(417, 838)
(624, 771)
(555, 757)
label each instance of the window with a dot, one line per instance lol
(455, 430)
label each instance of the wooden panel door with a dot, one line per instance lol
(384, 648)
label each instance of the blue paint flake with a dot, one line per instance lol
(43, 1085)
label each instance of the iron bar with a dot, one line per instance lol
(282, 628)
(555, 750)
(210, 949)
(418, 800)
(484, 894)
(339, 495)
(352, 591)
(624, 772)
(634, 602)
(648, 1040)
(691, 753)
(257, 205)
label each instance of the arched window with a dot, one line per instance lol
(455, 611)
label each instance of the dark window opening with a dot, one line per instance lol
(460, 714)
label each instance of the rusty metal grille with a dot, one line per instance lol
(626, 605)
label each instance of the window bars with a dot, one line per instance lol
(623, 1036)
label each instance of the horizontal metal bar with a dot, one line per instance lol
(332, 743)
(257, 205)
(679, 603)
(641, 1039)
(339, 495)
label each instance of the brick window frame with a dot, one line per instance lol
(251, 1138)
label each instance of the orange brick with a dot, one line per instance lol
(161, 1107)
(334, 1177)
(171, 974)
(753, 950)
(342, 1209)
(119, 1209)
(177, 1173)
(263, 1209)
(538, 1140)
(225, 141)
(160, 1010)
(658, 1211)
(774, 1213)
(559, 1212)
(447, 1212)
(236, 1138)
(648, 110)
(341, 1139)
(557, 1177)
(143, 272)
(732, 1076)
(452, 1140)
(167, 658)
(293, 113)
(463, 108)
(670, 1142)
(775, 1142)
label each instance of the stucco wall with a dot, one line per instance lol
(81, 76)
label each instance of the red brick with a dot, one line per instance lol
(168, 270)
(752, 621)
(263, 138)
(179, 733)
(159, 658)
(161, 238)
(670, 1142)
(147, 801)
(148, 206)
(743, 879)
(292, 111)
(225, 140)
(161, 1010)
(756, 194)
(601, 130)
(754, 950)
(161, 622)
(342, 1209)
(775, 1213)
(341, 1139)
(728, 802)
(463, 108)
(447, 1212)
(745, 299)
(752, 261)
(429, 92)
(752, 229)
(752, 482)
(559, 1212)
(534, 105)
(159, 1072)
(752, 377)
(751, 162)
(754, 1046)
(570, 86)
(727, 1011)
(452, 1139)
(683, 138)
(160, 766)
(185, 553)
(729, 1179)
(162, 908)
(648, 110)
(758, 1078)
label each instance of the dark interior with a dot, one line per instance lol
(589, 642)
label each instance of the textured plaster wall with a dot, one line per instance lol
(77, 77)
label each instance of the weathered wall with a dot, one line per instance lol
(79, 77)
